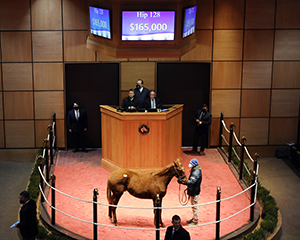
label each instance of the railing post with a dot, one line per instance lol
(46, 159)
(218, 211)
(41, 177)
(242, 158)
(230, 142)
(53, 178)
(253, 176)
(95, 213)
(51, 142)
(54, 129)
(255, 163)
(157, 204)
(221, 129)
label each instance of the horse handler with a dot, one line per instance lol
(193, 189)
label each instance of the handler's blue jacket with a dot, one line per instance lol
(194, 181)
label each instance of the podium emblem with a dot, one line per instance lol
(144, 129)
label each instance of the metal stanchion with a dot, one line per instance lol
(253, 189)
(221, 129)
(255, 163)
(242, 158)
(41, 177)
(95, 213)
(157, 216)
(46, 158)
(53, 178)
(54, 130)
(51, 142)
(253, 176)
(230, 142)
(218, 211)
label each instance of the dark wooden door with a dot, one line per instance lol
(186, 83)
(91, 84)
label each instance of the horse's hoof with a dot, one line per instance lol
(117, 225)
(162, 225)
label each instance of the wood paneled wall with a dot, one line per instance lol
(253, 46)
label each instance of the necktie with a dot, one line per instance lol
(201, 116)
(152, 103)
(174, 230)
(76, 115)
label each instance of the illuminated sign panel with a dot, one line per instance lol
(148, 25)
(99, 22)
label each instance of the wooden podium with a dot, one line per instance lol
(140, 140)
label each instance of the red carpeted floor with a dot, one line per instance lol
(77, 174)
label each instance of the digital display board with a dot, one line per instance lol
(100, 22)
(148, 25)
(189, 21)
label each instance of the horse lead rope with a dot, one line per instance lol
(184, 198)
(184, 194)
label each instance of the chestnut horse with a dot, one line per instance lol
(141, 185)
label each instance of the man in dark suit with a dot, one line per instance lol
(141, 93)
(202, 119)
(176, 232)
(153, 101)
(28, 223)
(77, 125)
(130, 102)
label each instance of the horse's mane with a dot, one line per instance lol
(163, 171)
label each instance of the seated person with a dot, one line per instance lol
(153, 102)
(130, 102)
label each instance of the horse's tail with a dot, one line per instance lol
(108, 193)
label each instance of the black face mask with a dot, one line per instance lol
(22, 202)
(204, 110)
(76, 108)
(138, 86)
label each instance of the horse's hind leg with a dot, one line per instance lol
(115, 200)
(109, 212)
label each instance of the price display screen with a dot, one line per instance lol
(99, 22)
(148, 25)
(189, 21)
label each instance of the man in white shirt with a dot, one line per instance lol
(153, 101)
(141, 93)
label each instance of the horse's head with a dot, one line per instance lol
(179, 170)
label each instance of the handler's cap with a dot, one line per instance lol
(194, 162)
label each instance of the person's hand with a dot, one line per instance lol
(70, 130)
(180, 181)
(85, 129)
(197, 120)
